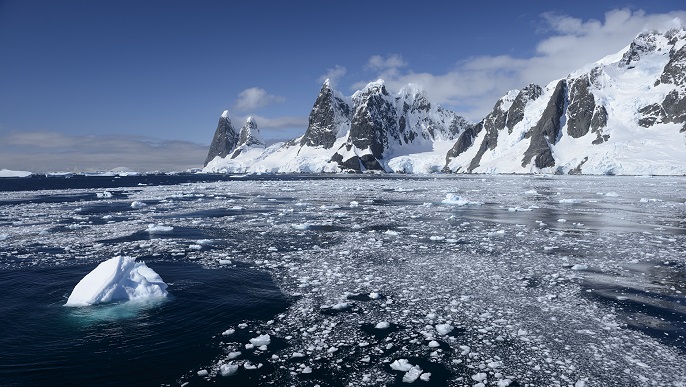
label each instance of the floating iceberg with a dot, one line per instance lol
(118, 279)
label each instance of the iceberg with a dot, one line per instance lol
(118, 279)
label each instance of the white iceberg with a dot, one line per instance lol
(118, 279)
(10, 173)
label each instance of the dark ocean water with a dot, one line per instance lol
(45, 343)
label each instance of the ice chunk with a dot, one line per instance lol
(118, 278)
(383, 325)
(152, 228)
(455, 199)
(401, 365)
(444, 329)
(412, 374)
(138, 204)
(10, 173)
(261, 340)
(228, 369)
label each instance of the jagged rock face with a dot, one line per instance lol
(249, 137)
(674, 104)
(547, 131)
(516, 112)
(581, 108)
(328, 114)
(464, 142)
(506, 113)
(675, 70)
(225, 139)
(374, 119)
(642, 44)
(382, 123)
(493, 122)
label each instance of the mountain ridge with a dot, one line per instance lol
(624, 114)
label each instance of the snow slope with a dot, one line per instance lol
(624, 114)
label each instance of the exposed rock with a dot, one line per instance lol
(329, 119)
(577, 170)
(464, 142)
(642, 44)
(516, 112)
(675, 70)
(494, 122)
(652, 114)
(382, 123)
(674, 107)
(599, 119)
(547, 130)
(225, 139)
(249, 137)
(581, 108)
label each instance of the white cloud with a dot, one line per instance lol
(254, 98)
(50, 151)
(333, 75)
(278, 123)
(377, 62)
(475, 84)
(386, 67)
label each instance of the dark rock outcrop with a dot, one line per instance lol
(547, 130)
(329, 112)
(372, 121)
(642, 44)
(464, 142)
(516, 112)
(494, 122)
(581, 108)
(249, 137)
(225, 139)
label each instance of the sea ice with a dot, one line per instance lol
(118, 278)
(260, 340)
(152, 228)
(457, 200)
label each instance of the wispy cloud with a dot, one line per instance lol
(255, 98)
(51, 151)
(474, 85)
(279, 123)
(333, 75)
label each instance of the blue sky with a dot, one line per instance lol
(102, 84)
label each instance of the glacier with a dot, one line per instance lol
(118, 279)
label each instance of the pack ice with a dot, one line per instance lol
(119, 278)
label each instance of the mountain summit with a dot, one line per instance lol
(625, 114)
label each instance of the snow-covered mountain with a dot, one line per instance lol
(371, 130)
(228, 144)
(625, 114)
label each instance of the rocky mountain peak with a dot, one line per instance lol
(225, 138)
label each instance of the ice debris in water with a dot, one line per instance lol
(261, 340)
(118, 278)
(137, 204)
(457, 200)
(158, 228)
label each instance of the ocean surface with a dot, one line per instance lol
(339, 280)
